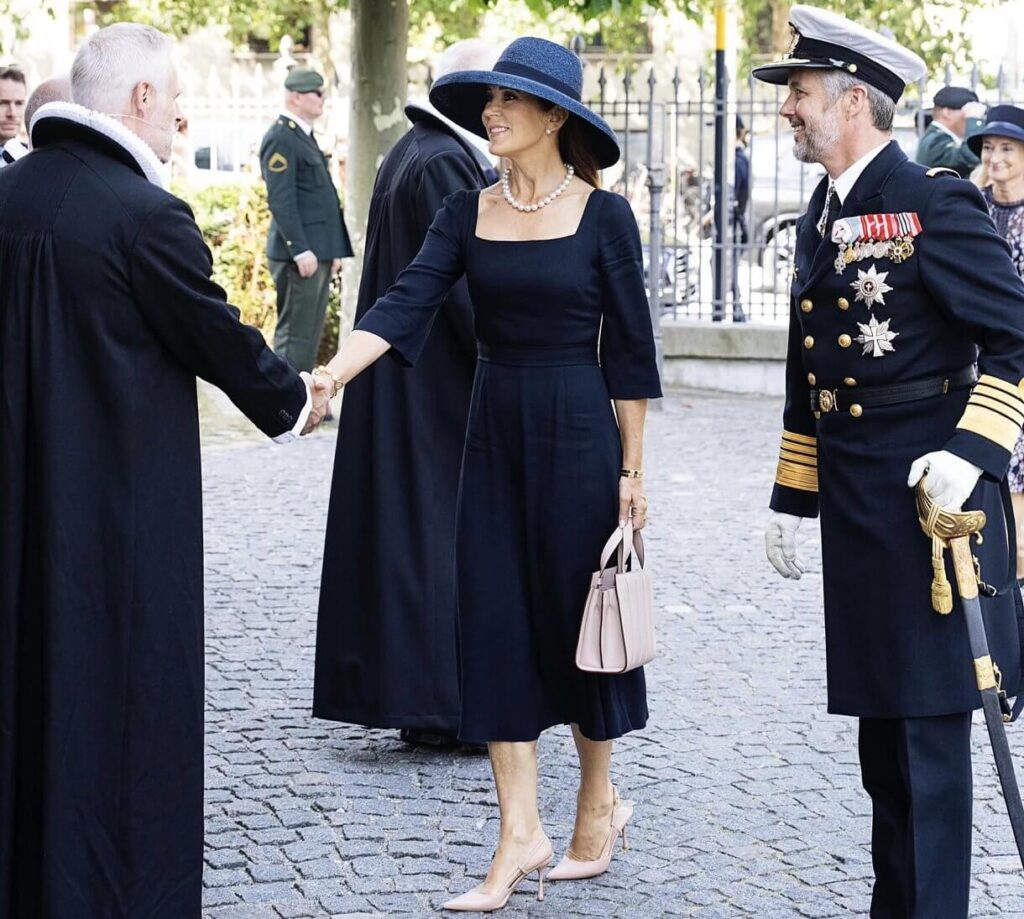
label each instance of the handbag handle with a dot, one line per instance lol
(627, 541)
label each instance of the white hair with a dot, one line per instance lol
(114, 60)
(468, 54)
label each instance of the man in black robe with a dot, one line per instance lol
(386, 637)
(107, 316)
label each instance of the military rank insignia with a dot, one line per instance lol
(277, 163)
(875, 236)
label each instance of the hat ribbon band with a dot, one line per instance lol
(538, 76)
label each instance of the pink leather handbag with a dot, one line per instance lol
(617, 633)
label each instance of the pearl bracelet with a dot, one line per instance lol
(322, 371)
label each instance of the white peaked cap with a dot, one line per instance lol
(823, 40)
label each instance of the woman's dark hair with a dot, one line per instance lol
(573, 147)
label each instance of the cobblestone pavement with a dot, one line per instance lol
(748, 796)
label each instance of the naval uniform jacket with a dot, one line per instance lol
(956, 300)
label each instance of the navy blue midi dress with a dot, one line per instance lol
(540, 474)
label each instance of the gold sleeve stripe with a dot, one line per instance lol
(989, 424)
(1001, 395)
(801, 459)
(986, 379)
(809, 452)
(798, 462)
(1012, 412)
(994, 411)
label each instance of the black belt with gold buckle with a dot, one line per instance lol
(855, 401)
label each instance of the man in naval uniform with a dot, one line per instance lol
(12, 115)
(900, 286)
(307, 238)
(956, 115)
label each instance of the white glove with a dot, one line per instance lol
(949, 479)
(780, 544)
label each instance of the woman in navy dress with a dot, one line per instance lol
(549, 469)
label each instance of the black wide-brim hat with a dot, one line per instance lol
(1002, 121)
(530, 65)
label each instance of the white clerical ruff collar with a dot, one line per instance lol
(110, 128)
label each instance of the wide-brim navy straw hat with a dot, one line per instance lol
(1002, 121)
(530, 65)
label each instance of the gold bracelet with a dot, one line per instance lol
(322, 371)
(631, 473)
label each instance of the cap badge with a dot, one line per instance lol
(794, 41)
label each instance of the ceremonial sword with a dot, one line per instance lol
(955, 529)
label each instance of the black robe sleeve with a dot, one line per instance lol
(171, 277)
(443, 175)
(404, 315)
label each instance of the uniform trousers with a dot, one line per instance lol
(301, 307)
(918, 774)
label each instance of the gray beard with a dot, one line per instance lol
(818, 142)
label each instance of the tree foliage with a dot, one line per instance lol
(934, 30)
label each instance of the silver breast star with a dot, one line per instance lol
(871, 287)
(876, 337)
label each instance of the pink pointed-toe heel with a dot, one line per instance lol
(572, 869)
(477, 901)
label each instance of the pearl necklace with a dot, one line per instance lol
(506, 190)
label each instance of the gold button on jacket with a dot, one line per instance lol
(811, 379)
(806, 305)
(856, 410)
(850, 381)
(845, 341)
(809, 341)
(844, 304)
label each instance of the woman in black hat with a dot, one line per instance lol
(1000, 144)
(554, 266)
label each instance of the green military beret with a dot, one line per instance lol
(301, 80)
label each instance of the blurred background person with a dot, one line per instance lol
(13, 91)
(1000, 146)
(386, 636)
(956, 114)
(307, 238)
(55, 89)
(740, 200)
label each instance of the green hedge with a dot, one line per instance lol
(234, 219)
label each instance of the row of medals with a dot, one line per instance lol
(897, 250)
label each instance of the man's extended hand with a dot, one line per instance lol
(950, 479)
(320, 389)
(780, 545)
(306, 264)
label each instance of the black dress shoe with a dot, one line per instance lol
(419, 738)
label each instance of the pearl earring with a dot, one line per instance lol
(547, 130)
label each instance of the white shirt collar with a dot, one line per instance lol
(844, 184)
(110, 128)
(291, 116)
(16, 148)
(946, 130)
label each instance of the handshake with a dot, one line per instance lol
(323, 386)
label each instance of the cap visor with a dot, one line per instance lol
(778, 72)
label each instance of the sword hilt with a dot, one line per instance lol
(952, 529)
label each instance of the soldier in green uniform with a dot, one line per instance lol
(957, 114)
(307, 238)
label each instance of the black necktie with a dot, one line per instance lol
(829, 212)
